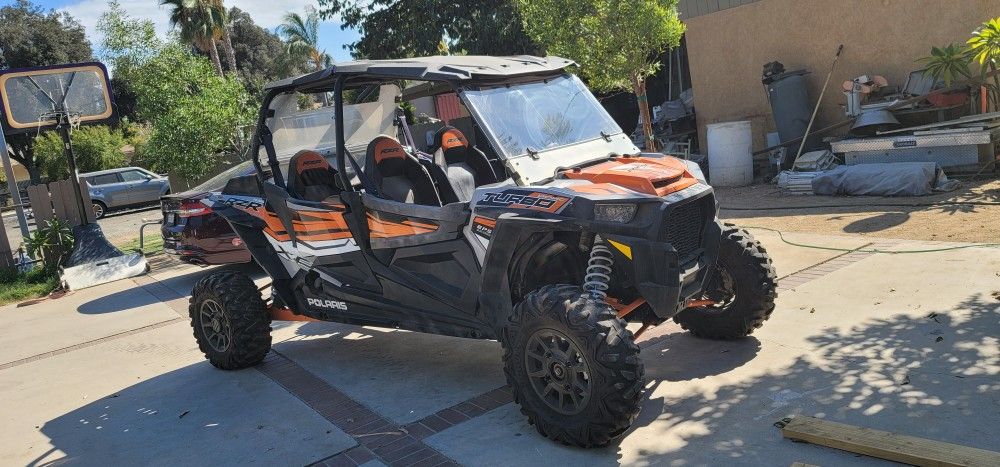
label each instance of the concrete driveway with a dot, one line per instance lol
(899, 342)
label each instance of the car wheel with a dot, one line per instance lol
(572, 366)
(230, 320)
(99, 210)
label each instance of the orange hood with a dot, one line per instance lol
(654, 176)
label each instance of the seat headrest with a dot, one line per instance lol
(306, 160)
(383, 148)
(449, 137)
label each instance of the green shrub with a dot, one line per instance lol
(95, 148)
(52, 243)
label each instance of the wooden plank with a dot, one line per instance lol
(58, 206)
(88, 216)
(886, 445)
(6, 256)
(41, 203)
(69, 200)
(955, 122)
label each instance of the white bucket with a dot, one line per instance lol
(730, 162)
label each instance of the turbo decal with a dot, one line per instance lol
(484, 226)
(519, 199)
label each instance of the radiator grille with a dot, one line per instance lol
(684, 227)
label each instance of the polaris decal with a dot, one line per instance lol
(521, 199)
(329, 304)
(483, 226)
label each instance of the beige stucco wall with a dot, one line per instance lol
(727, 49)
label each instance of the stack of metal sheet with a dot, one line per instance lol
(796, 183)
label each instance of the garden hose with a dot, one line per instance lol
(887, 205)
(870, 250)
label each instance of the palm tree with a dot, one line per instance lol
(302, 37)
(227, 40)
(199, 22)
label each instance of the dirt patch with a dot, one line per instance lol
(970, 214)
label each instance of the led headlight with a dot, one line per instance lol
(622, 213)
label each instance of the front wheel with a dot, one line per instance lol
(230, 320)
(743, 286)
(572, 366)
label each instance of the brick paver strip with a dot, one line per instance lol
(378, 438)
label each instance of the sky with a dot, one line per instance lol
(264, 12)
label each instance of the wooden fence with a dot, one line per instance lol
(56, 201)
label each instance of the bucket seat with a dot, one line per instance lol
(466, 166)
(311, 177)
(397, 174)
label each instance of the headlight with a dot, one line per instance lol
(622, 213)
(695, 170)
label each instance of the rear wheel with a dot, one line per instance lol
(230, 320)
(573, 366)
(99, 209)
(743, 286)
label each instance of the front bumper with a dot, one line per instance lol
(664, 279)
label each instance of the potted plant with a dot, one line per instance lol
(948, 64)
(984, 49)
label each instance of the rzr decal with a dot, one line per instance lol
(484, 226)
(242, 203)
(519, 199)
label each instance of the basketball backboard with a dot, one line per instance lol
(34, 97)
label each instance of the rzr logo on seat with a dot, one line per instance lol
(326, 303)
(524, 200)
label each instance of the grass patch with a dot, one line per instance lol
(16, 287)
(153, 244)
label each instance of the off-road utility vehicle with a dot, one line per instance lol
(541, 226)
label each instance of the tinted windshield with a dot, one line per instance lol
(541, 115)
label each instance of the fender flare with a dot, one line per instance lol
(506, 245)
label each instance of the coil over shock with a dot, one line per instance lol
(598, 269)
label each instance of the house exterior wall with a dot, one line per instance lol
(727, 49)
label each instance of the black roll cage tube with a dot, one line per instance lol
(263, 133)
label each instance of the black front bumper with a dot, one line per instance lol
(664, 279)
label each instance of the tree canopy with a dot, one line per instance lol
(193, 112)
(261, 57)
(409, 28)
(615, 43)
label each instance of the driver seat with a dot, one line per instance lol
(311, 177)
(466, 166)
(397, 174)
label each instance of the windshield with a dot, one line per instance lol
(306, 121)
(542, 115)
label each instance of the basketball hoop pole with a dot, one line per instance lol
(74, 176)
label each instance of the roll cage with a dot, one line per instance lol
(441, 73)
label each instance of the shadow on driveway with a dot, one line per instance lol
(135, 296)
(932, 376)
